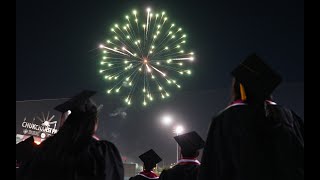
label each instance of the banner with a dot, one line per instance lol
(37, 118)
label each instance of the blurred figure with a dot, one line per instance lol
(254, 138)
(73, 153)
(187, 168)
(150, 159)
(25, 150)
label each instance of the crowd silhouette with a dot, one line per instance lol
(252, 138)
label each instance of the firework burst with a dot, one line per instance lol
(144, 57)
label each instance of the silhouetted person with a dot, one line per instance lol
(25, 150)
(188, 166)
(150, 159)
(73, 153)
(254, 138)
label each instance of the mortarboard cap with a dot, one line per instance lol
(150, 157)
(256, 76)
(190, 141)
(81, 102)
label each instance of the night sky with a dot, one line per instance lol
(56, 57)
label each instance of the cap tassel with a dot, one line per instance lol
(243, 93)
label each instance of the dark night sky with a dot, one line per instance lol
(54, 43)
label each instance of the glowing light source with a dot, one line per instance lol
(167, 120)
(179, 129)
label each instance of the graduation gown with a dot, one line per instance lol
(145, 175)
(94, 160)
(245, 142)
(184, 170)
(25, 151)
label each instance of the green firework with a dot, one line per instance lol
(144, 57)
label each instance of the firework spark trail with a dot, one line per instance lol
(143, 63)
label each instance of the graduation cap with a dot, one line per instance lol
(24, 149)
(256, 76)
(150, 157)
(190, 142)
(81, 103)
